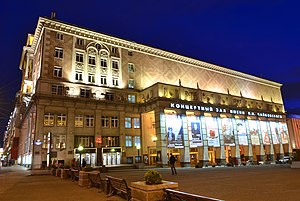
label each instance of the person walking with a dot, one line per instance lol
(172, 163)
(83, 163)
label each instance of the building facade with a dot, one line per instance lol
(128, 103)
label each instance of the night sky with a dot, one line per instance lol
(261, 38)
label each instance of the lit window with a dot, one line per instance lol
(115, 65)
(137, 141)
(110, 141)
(105, 121)
(79, 41)
(78, 121)
(114, 122)
(60, 142)
(85, 93)
(85, 141)
(61, 120)
(103, 80)
(91, 78)
(57, 72)
(130, 68)
(78, 75)
(57, 90)
(92, 60)
(79, 57)
(89, 121)
(128, 140)
(103, 62)
(59, 52)
(131, 83)
(131, 98)
(59, 36)
(127, 122)
(115, 81)
(49, 119)
(136, 122)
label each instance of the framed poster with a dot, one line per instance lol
(253, 132)
(227, 132)
(274, 132)
(241, 132)
(212, 131)
(283, 133)
(174, 131)
(264, 132)
(194, 129)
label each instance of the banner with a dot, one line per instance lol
(241, 132)
(283, 133)
(194, 129)
(274, 132)
(264, 132)
(253, 132)
(227, 132)
(174, 131)
(212, 131)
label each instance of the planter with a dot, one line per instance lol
(83, 179)
(295, 164)
(140, 191)
(65, 173)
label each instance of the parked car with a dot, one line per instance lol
(284, 160)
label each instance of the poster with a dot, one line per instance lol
(194, 130)
(241, 132)
(253, 132)
(227, 132)
(274, 132)
(212, 132)
(283, 133)
(174, 131)
(264, 132)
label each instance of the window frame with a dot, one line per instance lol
(49, 119)
(78, 121)
(57, 72)
(136, 122)
(79, 57)
(89, 121)
(57, 89)
(105, 122)
(128, 122)
(128, 141)
(59, 53)
(114, 122)
(61, 120)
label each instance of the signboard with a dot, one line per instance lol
(98, 139)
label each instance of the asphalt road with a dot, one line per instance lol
(245, 183)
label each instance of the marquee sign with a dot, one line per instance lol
(222, 110)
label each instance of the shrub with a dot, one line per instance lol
(153, 177)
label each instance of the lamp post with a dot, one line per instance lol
(80, 149)
(138, 148)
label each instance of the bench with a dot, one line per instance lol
(174, 195)
(117, 185)
(97, 181)
(74, 175)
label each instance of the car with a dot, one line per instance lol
(284, 160)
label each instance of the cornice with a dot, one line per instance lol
(93, 35)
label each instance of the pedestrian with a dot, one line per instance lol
(172, 163)
(73, 163)
(83, 163)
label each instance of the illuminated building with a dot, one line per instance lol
(113, 96)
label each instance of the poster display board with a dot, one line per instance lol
(241, 132)
(227, 132)
(283, 132)
(274, 132)
(174, 131)
(194, 129)
(212, 131)
(264, 132)
(253, 132)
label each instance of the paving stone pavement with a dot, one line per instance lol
(245, 183)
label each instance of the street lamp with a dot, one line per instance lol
(138, 147)
(80, 149)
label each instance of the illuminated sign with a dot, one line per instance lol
(99, 139)
(222, 110)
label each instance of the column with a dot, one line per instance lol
(222, 157)
(250, 150)
(98, 133)
(203, 151)
(237, 145)
(185, 152)
(70, 135)
(272, 158)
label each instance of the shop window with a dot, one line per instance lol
(85, 141)
(89, 119)
(127, 122)
(110, 141)
(128, 141)
(78, 121)
(136, 122)
(61, 120)
(49, 119)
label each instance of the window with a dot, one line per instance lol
(115, 65)
(59, 52)
(109, 96)
(85, 141)
(57, 72)
(105, 121)
(114, 122)
(115, 81)
(85, 93)
(131, 83)
(137, 141)
(128, 140)
(61, 120)
(129, 53)
(110, 141)
(136, 122)
(114, 50)
(127, 122)
(92, 60)
(89, 119)
(103, 63)
(78, 75)
(49, 119)
(91, 78)
(103, 80)
(59, 36)
(78, 121)
(57, 90)
(130, 68)
(60, 142)
(131, 98)
(79, 41)
(79, 57)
